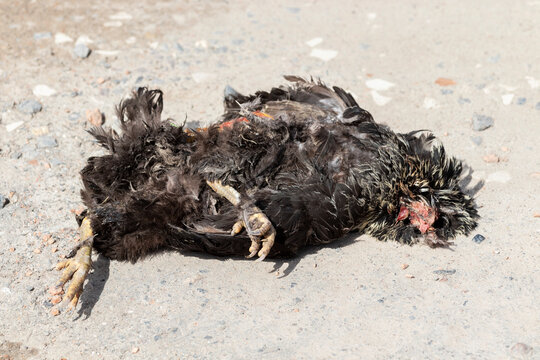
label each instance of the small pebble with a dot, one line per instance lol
(537, 107)
(121, 16)
(42, 35)
(29, 106)
(447, 91)
(491, 158)
(94, 117)
(409, 276)
(477, 140)
(15, 155)
(494, 59)
(56, 299)
(379, 99)
(55, 312)
(521, 349)
(481, 122)
(314, 42)
(43, 90)
(30, 288)
(404, 266)
(81, 50)
(430, 103)
(445, 272)
(445, 82)
(323, 54)
(521, 101)
(3, 201)
(134, 350)
(507, 99)
(463, 100)
(46, 142)
(13, 126)
(379, 84)
(61, 38)
(74, 116)
(200, 77)
(293, 10)
(478, 238)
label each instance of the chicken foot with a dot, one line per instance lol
(77, 266)
(257, 225)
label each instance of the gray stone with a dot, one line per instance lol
(74, 116)
(445, 272)
(82, 51)
(463, 100)
(16, 155)
(477, 140)
(447, 91)
(521, 101)
(42, 35)
(56, 162)
(29, 151)
(29, 106)
(481, 122)
(537, 107)
(293, 10)
(46, 142)
(3, 201)
(478, 238)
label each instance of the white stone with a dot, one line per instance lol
(200, 77)
(323, 54)
(107, 52)
(83, 39)
(201, 44)
(429, 103)
(121, 16)
(131, 40)
(379, 84)
(533, 83)
(5, 290)
(371, 16)
(43, 90)
(13, 126)
(61, 38)
(314, 42)
(154, 45)
(507, 99)
(379, 99)
(499, 176)
(113, 24)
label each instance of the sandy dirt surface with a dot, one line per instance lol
(358, 298)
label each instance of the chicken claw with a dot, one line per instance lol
(76, 268)
(257, 225)
(260, 231)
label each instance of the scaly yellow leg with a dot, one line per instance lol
(76, 269)
(256, 223)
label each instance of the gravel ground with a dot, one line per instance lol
(469, 70)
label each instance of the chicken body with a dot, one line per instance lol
(313, 161)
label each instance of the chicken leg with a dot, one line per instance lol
(257, 225)
(76, 268)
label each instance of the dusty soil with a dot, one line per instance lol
(350, 300)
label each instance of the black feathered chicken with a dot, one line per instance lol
(299, 165)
